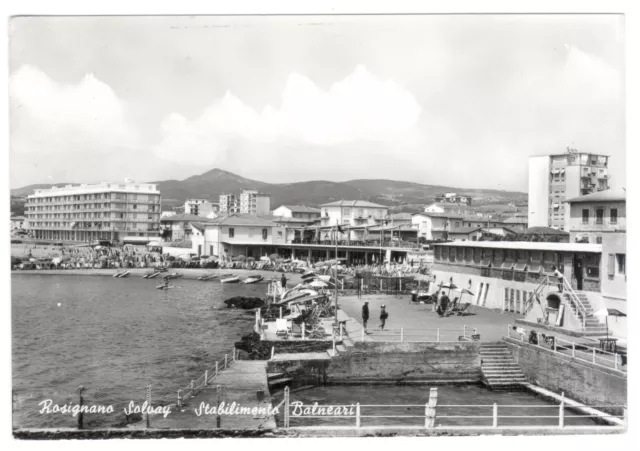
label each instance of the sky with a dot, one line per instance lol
(459, 100)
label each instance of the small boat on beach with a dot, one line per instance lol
(207, 277)
(253, 279)
(162, 287)
(229, 278)
(121, 274)
(151, 275)
(173, 275)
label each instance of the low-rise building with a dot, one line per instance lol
(18, 222)
(229, 236)
(449, 209)
(200, 207)
(601, 218)
(454, 198)
(177, 227)
(298, 212)
(435, 226)
(465, 234)
(353, 213)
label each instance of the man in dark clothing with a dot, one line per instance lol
(283, 281)
(383, 317)
(444, 302)
(365, 314)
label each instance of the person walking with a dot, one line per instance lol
(283, 281)
(560, 278)
(365, 315)
(383, 317)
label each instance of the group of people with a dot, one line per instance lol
(365, 316)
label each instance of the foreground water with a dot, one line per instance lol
(114, 337)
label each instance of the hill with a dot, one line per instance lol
(398, 194)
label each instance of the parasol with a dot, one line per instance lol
(318, 284)
(607, 312)
(239, 258)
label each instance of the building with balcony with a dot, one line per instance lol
(352, 212)
(228, 204)
(601, 218)
(107, 211)
(555, 178)
(177, 227)
(519, 277)
(449, 209)
(255, 203)
(435, 226)
(229, 236)
(200, 207)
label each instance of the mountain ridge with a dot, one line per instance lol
(212, 183)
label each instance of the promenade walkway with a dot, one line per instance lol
(239, 383)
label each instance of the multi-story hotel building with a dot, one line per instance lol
(555, 178)
(108, 211)
(200, 207)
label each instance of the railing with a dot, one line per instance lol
(431, 415)
(579, 351)
(573, 298)
(530, 302)
(420, 335)
(197, 384)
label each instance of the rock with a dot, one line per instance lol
(244, 302)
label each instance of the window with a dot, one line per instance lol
(598, 240)
(231, 232)
(621, 260)
(599, 215)
(347, 211)
(279, 233)
(585, 216)
(614, 216)
(264, 234)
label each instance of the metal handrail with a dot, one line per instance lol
(202, 381)
(573, 297)
(536, 292)
(440, 335)
(575, 348)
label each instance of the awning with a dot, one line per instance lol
(485, 262)
(535, 267)
(507, 265)
(520, 267)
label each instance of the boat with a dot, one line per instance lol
(173, 275)
(150, 275)
(229, 278)
(121, 274)
(253, 279)
(154, 275)
(162, 287)
(207, 277)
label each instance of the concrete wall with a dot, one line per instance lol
(375, 361)
(578, 380)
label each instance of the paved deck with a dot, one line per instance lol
(240, 384)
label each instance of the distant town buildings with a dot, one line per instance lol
(449, 209)
(454, 198)
(249, 202)
(229, 204)
(177, 227)
(353, 213)
(18, 223)
(555, 178)
(200, 207)
(109, 211)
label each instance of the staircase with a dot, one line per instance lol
(591, 324)
(499, 369)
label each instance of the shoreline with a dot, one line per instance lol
(187, 273)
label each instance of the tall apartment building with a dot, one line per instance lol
(555, 178)
(255, 203)
(108, 211)
(199, 207)
(229, 204)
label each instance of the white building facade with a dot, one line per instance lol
(200, 207)
(108, 211)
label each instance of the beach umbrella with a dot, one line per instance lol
(607, 312)
(318, 284)
(251, 259)
(239, 258)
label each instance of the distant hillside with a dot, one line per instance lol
(397, 194)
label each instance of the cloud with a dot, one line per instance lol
(48, 117)
(359, 108)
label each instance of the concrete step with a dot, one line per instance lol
(271, 376)
(497, 379)
(341, 348)
(498, 373)
(495, 352)
(280, 381)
